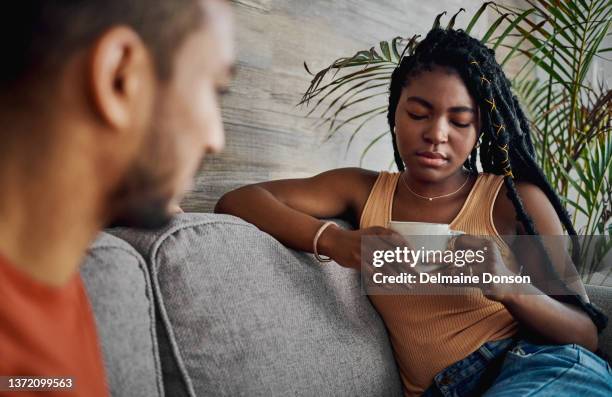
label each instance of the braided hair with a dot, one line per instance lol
(505, 145)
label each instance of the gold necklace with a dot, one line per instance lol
(435, 197)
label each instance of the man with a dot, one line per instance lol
(106, 110)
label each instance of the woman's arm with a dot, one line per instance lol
(554, 321)
(290, 209)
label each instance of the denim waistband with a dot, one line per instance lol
(462, 377)
(467, 376)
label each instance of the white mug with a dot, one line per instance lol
(426, 236)
(420, 228)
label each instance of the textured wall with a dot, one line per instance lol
(268, 137)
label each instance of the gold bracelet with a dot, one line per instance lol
(316, 239)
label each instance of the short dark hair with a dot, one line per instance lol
(38, 35)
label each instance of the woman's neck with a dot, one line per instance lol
(428, 188)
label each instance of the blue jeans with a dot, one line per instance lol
(527, 370)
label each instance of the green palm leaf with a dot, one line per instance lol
(570, 116)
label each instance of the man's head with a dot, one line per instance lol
(127, 87)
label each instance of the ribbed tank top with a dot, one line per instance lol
(430, 332)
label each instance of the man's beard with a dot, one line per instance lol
(145, 214)
(139, 202)
(142, 200)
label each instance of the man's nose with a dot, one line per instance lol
(215, 142)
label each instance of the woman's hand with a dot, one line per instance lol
(492, 264)
(345, 246)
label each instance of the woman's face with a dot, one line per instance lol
(436, 124)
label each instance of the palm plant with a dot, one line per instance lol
(570, 114)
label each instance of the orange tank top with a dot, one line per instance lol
(430, 332)
(49, 332)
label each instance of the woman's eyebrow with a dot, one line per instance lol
(454, 109)
(461, 109)
(420, 101)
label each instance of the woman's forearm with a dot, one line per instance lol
(258, 206)
(555, 321)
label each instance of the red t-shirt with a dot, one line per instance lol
(48, 331)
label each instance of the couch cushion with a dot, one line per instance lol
(246, 316)
(118, 285)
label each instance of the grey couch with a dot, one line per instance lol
(212, 306)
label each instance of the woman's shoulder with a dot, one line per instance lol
(354, 183)
(353, 176)
(490, 176)
(534, 202)
(524, 188)
(354, 172)
(527, 191)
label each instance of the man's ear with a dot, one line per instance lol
(120, 77)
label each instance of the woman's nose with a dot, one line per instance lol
(437, 132)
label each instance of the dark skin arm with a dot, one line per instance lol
(298, 203)
(290, 211)
(553, 321)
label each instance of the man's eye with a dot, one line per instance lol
(222, 91)
(415, 116)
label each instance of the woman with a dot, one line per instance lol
(448, 102)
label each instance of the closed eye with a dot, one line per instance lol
(416, 117)
(461, 125)
(221, 91)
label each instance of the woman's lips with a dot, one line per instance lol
(431, 159)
